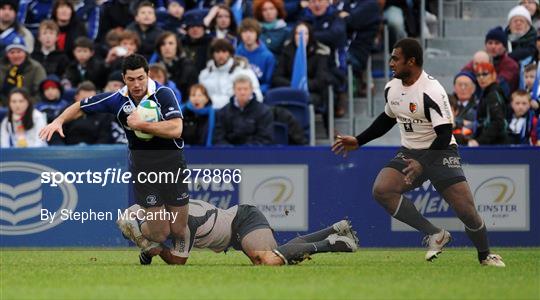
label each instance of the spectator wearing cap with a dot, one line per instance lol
(491, 117)
(145, 26)
(196, 42)
(53, 60)
(262, 61)
(51, 102)
(114, 82)
(464, 104)
(533, 6)
(18, 70)
(507, 69)
(10, 28)
(271, 15)
(179, 69)
(521, 34)
(222, 69)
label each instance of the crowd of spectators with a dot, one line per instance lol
(221, 57)
(496, 95)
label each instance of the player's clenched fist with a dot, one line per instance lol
(344, 144)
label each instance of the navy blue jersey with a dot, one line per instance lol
(119, 104)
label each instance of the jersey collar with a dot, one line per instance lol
(150, 90)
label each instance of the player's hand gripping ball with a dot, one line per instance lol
(148, 111)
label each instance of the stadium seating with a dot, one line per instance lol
(297, 102)
(281, 133)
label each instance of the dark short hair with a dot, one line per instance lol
(84, 42)
(143, 4)
(134, 62)
(221, 45)
(520, 93)
(411, 49)
(87, 86)
(530, 67)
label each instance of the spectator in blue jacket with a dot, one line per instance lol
(271, 15)
(11, 29)
(244, 121)
(328, 27)
(522, 121)
(363, 19)
(262, 61)
(32, 12)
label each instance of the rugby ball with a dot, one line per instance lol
(148, 110)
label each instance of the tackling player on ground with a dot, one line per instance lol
(419, 105)
(242, 227)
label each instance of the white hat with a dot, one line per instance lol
(519, 11)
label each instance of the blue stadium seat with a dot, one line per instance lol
(297, 102)
(281, 133)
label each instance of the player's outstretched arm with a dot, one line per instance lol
(382, 124)
(71, 113)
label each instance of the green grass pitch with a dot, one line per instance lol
(367, 274)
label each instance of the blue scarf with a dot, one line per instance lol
(205, 111)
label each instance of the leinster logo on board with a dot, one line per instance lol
(413, 107)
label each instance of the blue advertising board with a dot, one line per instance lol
(298, 189)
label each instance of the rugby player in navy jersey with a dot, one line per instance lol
(161, 153)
